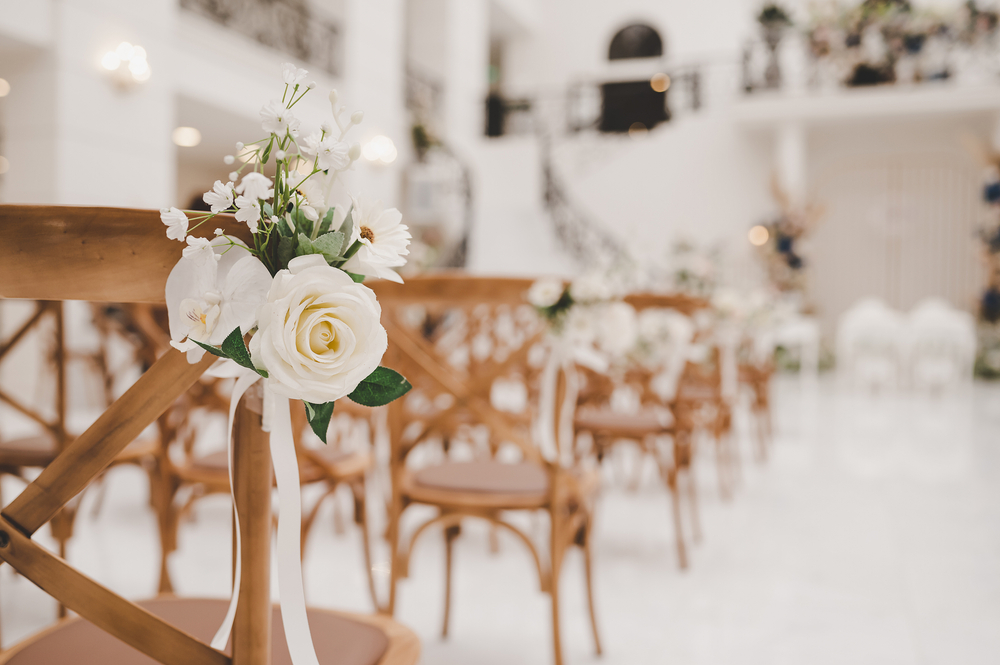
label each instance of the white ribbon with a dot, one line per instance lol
(556, 437)
(291, 595)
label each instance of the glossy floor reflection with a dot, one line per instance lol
(871, 535)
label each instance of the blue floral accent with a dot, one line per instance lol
(991, 192)
(989, 306)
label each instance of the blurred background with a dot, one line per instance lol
(839, 158)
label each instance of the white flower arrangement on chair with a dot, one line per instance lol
(316, 331)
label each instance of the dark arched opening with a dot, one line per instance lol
(634, 104)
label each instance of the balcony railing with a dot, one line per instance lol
(289, 26)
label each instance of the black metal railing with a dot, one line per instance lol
(289, 26)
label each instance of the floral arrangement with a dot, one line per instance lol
(890, 41)
(314, 329)
(781, 248)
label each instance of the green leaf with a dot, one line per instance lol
(236, 350)
(284, 229)
(211, 349)
(347, 226)
(319, 417)
(381, 387)
(302, 223)
(329, 244)
(355, 276)
(267, 151)
(327, 222)
(305, 246)
(286, 250)
(268, 210)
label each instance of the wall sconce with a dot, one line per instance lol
(127, 65)
(380, 150)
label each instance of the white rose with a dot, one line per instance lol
(319, 333)
(545, 292)
(617, 328)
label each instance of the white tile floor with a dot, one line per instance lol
(872, 535)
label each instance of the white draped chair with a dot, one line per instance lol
(870, 341)
(940, 345)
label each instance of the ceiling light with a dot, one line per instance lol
(127, 64)
(186, 137)
(4, 88)
(758, 235)
(660, 82)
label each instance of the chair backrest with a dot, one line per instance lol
(45, 312)
(101, 255)
(471, 347)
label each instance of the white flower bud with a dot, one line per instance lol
(333, 100)
(354, 152)
(239, 145)
(312, 85)
(218, 232)
(234, 175)
(327, 127)
(279, 155)
(228, 159)
(357, 117)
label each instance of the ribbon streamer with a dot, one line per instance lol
(291, 595)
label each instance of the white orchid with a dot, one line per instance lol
(220, 198)
(276, 119)
(248, 211)
(331, 154)
(216, 287)
(384, 240)
(291, 74)
(176, 222)
(255, 186)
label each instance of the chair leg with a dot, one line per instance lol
(555, 568)
(671, 477)
(395, 562)
(588, 567)
(450, 534)
(692, 491)
(361, 517)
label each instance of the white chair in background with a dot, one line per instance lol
(940, 345)
(801, 334)
(870, 340)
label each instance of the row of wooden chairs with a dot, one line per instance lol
(476, 355)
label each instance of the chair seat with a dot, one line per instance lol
(28, 451)
(606, 421)
(481, 483)
(214, 467)
(339, 640)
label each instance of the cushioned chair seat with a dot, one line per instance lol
(338, 640)
(31, 451)
(214, 466)
(646, 421)
(485, 483)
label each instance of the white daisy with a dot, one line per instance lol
(384, 240)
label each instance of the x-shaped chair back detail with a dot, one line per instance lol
(460, 340)
(99, 255)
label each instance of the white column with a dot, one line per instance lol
(74, 137)
(466, 79)
(790, 160)
(374, 36)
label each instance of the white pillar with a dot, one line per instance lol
(74, 137)
(790, 158)
(466, 79)
(374, 36)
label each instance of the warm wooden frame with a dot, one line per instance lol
(571, 493)
(118, 255)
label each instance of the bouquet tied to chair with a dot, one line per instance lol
(295, 294)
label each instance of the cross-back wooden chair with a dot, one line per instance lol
(101, 255)
(656, 417)
(472, 348)
(757, 375)
(332, 465)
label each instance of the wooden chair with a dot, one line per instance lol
(457, 339)
(655, 419)
(61, 252)
(757, 377)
